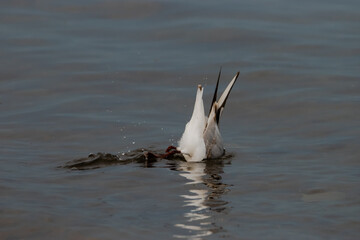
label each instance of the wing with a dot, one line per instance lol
(212, 137)
(224, 97)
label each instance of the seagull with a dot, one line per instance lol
(201, 138)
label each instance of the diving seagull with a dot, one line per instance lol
(201, 138)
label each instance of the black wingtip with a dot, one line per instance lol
(216, 89)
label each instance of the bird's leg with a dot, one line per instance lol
(171, 147)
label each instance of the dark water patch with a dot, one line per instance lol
(142, 157)
(317, 195)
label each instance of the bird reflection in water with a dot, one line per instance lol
(203, 199)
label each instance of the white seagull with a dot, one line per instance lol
(201, 138)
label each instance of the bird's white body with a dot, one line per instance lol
(192, 144)
(201, 138)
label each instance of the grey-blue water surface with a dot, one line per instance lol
(80, 77)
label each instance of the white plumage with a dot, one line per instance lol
(201, 138)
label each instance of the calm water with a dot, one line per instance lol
(119, 76)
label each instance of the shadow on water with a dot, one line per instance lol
(203, 199)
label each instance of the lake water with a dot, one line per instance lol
(80, 77)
